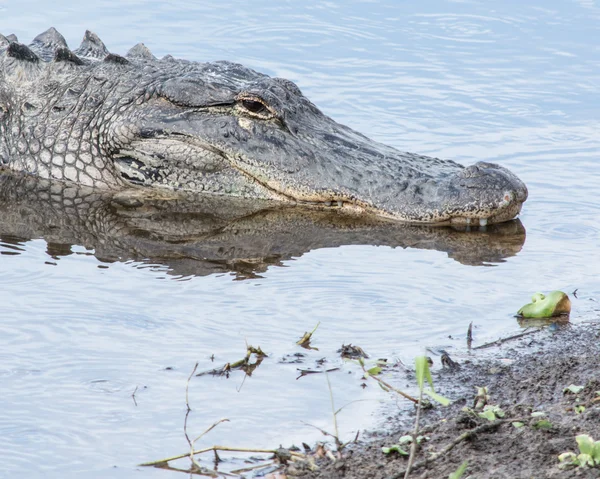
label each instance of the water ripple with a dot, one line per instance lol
(464, 80)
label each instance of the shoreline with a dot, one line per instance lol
(527, 375)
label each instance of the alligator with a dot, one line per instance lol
(109, 121)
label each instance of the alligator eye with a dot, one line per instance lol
(254, 106)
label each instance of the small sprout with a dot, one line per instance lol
(518, 424)
(422, 373)
(408, 439)
(543, 424)
(579, 409)
(554, 303)
(482, 397)
(573, 389)
(304, 341)
(403, 441)
(491, 412)
(589, 453)
(394, 448)
(460, 471)
(567, 459)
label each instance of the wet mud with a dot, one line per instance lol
(524, 376)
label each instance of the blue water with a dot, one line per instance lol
(498, 81)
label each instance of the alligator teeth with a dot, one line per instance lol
(328, 203)
(340, 203)
(482, 221)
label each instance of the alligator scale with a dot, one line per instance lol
(99, 119)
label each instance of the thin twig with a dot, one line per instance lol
(389, 386)
(500, 341)
(252, 468)
(415, 434)
(218, 448)
(211, 428)
(187, 386)
(323, 431)
(133, 395)
(187, 413)
(335, 424)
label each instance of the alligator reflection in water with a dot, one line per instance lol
(200, 235)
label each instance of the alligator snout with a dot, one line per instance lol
(487, 193)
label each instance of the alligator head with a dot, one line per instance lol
(104, 120)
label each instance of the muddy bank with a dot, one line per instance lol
(523, 376)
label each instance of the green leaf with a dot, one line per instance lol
(567, 457)
(543, 424)
(444, 401)
(460, 471)
(518, 424)
(374, 371)
(545, 306)
(573, 389)
(585, 443)
(585, 460)
(407, 439)
(579, 409)
(596, 454)
(385, 388)
(422, 371)
(488, 414)
(538, 414)
(394, 448)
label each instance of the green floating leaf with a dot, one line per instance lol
(573, 389)
(518, 424)
(546, 306)
(579, 409)
(460, 471)
(374, 371)
(394, 448)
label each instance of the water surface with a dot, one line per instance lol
(84, 324)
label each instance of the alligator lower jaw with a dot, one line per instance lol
(484, 218)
